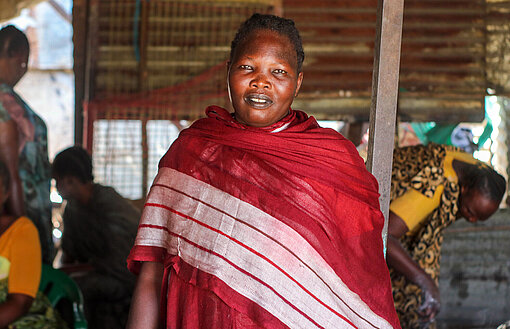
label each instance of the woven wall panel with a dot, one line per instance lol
(153, 63)
(164, 58)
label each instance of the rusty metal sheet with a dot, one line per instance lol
(443, 54)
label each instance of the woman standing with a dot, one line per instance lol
(432, 186)
(260, 218)
(23, 142)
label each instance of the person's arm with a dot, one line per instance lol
(14, 307)
(144, 312)
(401, 261)
(9, 155)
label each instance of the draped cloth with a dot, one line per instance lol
(270, 227)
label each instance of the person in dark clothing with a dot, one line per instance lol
(99, 229)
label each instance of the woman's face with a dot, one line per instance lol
(474, 206)
(14, 68)
(263, 78)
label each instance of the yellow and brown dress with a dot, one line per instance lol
(424, 193)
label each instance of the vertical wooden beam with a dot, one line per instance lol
(91, 56)
(80, 27)
(144, 86)
(354, 132)
(383, 110)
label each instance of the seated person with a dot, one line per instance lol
(20, 270)
(99, 230)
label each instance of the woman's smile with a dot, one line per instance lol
(258, 101)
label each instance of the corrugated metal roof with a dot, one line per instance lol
(452, 51)
(443, 59)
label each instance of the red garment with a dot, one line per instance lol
(273, 227)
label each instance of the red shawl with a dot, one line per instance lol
(266, 227)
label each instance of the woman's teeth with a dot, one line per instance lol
(259, 101)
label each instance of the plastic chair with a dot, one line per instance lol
(61, 289)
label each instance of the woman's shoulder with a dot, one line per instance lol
(7, 102)
(457, 155)
(24, 224)
(461, 156)
(22, 227)
(11, 105)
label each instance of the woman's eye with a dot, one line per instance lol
(279, 71)
(245, 67)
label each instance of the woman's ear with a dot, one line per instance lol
(299, 81)
(228, 69)
(228, 82)
(463, 190)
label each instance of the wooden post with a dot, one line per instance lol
(80, 28)
(383, 110)
(143, 86)
(91, 55)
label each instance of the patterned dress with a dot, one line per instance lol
(34, 166)
(41, 314)
(421, 168)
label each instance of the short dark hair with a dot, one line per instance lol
(486, 180)
(73, 162)
(5, 176)
(280, 25)
(12, 41)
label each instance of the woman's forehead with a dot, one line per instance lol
(265, 37)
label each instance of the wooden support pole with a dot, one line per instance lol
(91, 55)
(80, 28)
(143, 86)
(383, 110)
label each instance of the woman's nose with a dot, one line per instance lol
(260, 81)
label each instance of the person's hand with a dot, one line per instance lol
(431, 302)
